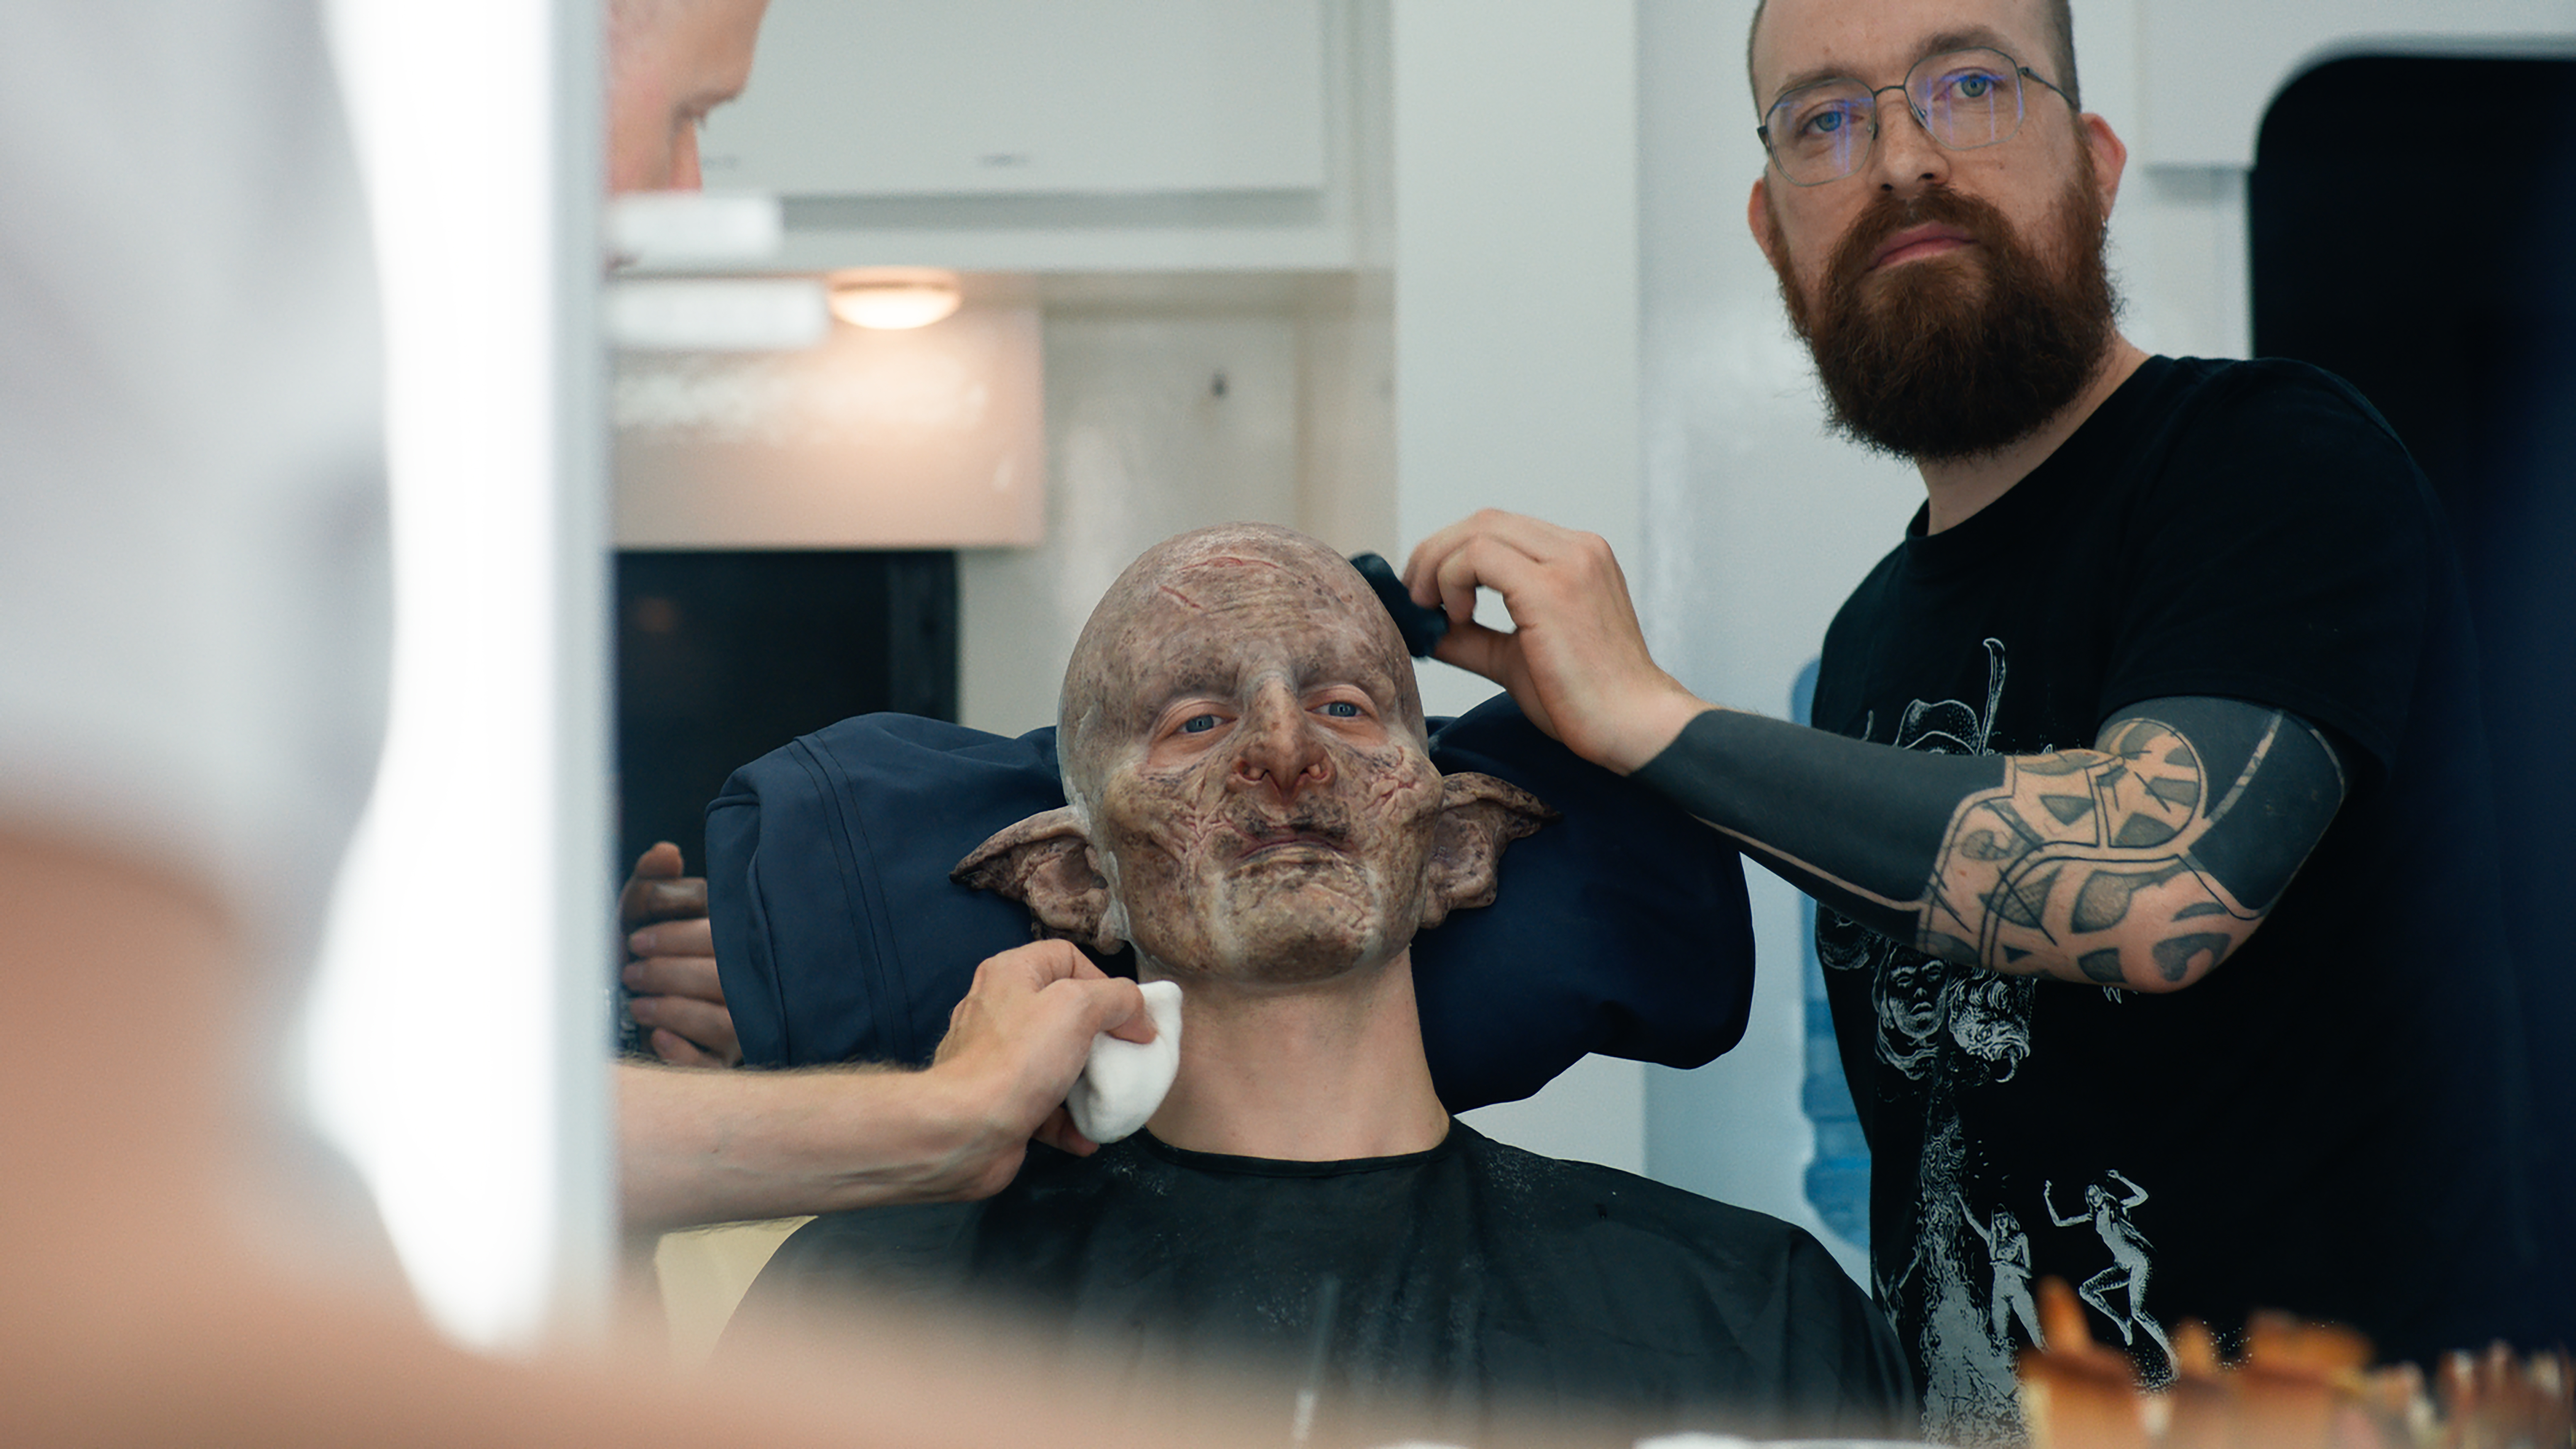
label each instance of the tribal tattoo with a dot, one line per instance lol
(2090, 857)
(2142, 862)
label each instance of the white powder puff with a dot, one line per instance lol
(1124, 1081)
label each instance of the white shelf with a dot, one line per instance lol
(1029, 97)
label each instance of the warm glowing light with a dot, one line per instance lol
(890, 300)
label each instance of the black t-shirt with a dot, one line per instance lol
(1470, 1283)
(2328, 1123)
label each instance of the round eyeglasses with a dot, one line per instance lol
(1963, 99)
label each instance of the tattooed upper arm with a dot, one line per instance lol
(2142, 862)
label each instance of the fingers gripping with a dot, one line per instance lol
(659, 891)
(1019, 1041)
(677, 995)
(694, 977)
(1575, 658)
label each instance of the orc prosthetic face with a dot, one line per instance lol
(1252, 800)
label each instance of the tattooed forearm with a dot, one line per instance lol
(2131, 861)
(2142, 862)
(2086, 856)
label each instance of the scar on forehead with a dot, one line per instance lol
(1233, 560)
(1211, 563)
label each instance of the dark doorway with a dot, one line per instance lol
(725, 656)
(2414, 230)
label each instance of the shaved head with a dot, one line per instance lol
(2058, 65)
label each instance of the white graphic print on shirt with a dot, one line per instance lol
(1947, 1028)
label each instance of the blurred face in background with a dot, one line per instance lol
(670, 62)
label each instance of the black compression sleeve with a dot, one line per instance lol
(2229, 793)
(1855, 824)
(2274, 786)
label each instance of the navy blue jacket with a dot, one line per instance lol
(1620, 929)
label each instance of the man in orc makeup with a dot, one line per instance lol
(1252, 808)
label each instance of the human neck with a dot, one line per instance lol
(1960, 487)
(1320, 1073)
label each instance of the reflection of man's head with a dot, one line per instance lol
(670, 62)
(1251, 794)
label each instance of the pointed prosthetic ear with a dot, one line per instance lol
(1045, 863)
(1479, 815)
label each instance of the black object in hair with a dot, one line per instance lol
(1421, 625)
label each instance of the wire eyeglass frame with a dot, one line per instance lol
(1851, 159)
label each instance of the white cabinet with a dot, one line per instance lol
(888, 98)
(932, 438)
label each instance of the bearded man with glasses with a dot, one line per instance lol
(2148, 805)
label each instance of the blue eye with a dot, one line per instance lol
(1975, 83)
(1198, 724)
(1342, 709)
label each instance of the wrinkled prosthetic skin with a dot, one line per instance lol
(1252, 800)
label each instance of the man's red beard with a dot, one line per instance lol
(1964, 354)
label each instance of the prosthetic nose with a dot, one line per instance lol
(1277, 744)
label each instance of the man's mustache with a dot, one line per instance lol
(1889, 213)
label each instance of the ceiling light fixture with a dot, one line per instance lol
(891, 298)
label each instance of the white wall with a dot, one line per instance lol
(1140, 445)
(913, 438)
(1515, 175)
(1762, 523)
(1516, 265)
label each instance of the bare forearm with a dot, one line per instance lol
(2140, 863)
(706, 1146)
(203, 1346)
(140, 1312)
(700, 1146)
(175, 1336)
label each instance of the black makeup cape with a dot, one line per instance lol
(1620, 929)
(1451, 1292)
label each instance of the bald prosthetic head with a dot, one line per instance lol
(1252, 797)
(1188, 605)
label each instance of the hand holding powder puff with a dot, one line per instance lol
(1125, 1081)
